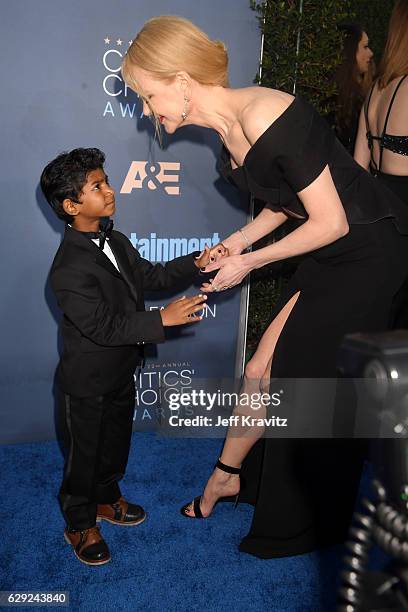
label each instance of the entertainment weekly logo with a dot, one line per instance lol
(157, 248)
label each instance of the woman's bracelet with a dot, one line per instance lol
(248, 244)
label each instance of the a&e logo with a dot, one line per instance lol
(164, 176)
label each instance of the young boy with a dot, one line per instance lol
(99, 279)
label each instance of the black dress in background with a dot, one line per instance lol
(304, 490)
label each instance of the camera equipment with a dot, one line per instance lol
(381, 359)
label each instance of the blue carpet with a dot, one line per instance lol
(167, 563)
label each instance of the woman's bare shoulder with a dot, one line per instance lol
(382, 99)
(388, 91)
(403, 89)
(262, 107)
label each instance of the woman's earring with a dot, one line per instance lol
(184, 113)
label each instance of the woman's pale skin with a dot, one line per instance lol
(240, 116)
(392, 163)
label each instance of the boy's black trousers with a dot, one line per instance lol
(97, 433)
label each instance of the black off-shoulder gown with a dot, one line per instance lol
(304, 490)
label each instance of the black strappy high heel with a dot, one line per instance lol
(196, 501)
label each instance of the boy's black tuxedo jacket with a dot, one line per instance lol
(105, 323)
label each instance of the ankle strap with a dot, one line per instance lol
(227, 468)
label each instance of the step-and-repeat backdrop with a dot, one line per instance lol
(62, 88)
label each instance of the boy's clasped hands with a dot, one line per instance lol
(184, 309)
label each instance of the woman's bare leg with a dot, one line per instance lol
(239, 442)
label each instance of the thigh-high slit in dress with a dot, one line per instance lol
(304, 490)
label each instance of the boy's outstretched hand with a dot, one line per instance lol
(180, 311)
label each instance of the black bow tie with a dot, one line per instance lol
(105, 232)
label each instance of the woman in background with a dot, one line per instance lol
(353, 78)
(382, 141)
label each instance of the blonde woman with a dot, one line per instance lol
(382, 141)
(278, 148)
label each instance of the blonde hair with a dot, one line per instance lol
(394, 61)
(169, 44)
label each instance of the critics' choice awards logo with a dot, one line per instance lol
(113, 85)
(154, 386)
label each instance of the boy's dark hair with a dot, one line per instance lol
(65, 176)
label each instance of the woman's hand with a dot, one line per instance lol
(235, 243)
(231, 271)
